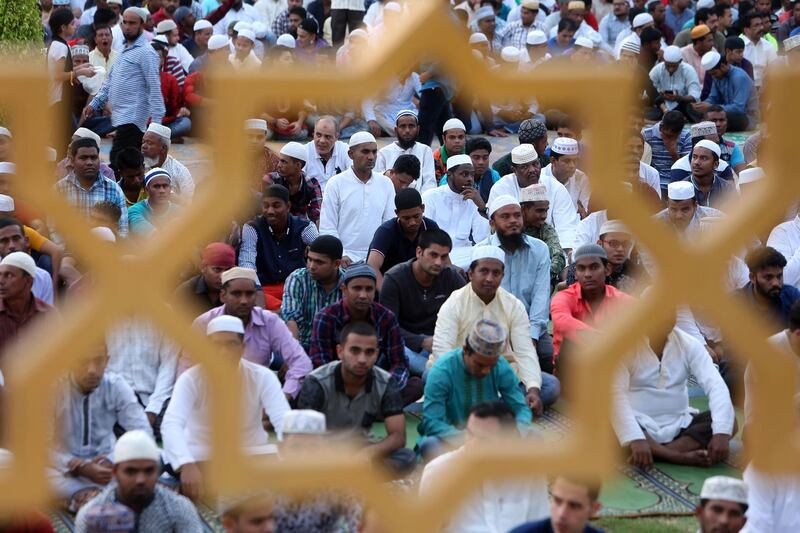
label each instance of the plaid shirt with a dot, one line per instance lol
(282, 24)
(329, 322)
(516, 34)
(306, 202)
(302, 298)
(102, 190)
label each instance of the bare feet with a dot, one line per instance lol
(693, 458)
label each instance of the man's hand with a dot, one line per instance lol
(151, 417)
(475, 196)
(375, 128)
(427, 344)
(670, 97)
(641, 455)
(701, 106)
(191, 481)
(100, 474)
(718, 448)
(295, 127)
(86, 70)
(282, 124)
(346, 261)
(88, 112)
(534, 401)
(184, 112)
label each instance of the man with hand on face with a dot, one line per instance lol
(137, 465)
(406, 128)
(766, 292)
(326, 155)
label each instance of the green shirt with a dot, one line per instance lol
(549, 236)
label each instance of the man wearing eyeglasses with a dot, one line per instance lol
(617, 241)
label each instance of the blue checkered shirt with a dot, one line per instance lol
(302, 298)
(102, 190)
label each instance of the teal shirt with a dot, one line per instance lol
(450, 392)
(141, 220)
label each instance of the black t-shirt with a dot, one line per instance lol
(393, 245)
(546, 526)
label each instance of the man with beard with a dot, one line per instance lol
(766, 292)
(155, 150)
(406, 128)
(133, 88)
(326, 155)
(137, 465)
(710, 189)
(615, 239)
(203, 289)
(396, 240)
(305, 194)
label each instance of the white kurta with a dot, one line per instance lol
(497, 507)
(652, 394)
(186, 428)
(561, 215)
(427, 174)
(338, 163)
(455, 215)
(588, 231)
(785, 238)
(773, 502)
(352, 210)
(649, 176)
(577, 186)
(182, 182)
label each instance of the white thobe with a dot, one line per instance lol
(338, 163)
(561, 215)
(773, 502)
(352, 210)
(455, 215)
(427, 174)
(182, 181)
(785, 238)
(652, 395)
(577, 186)
(186, 428)
(497, 507)
(588, 230)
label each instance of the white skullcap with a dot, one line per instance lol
(680, 190)
(241, 25)
(565, 146)
(750, 175)
(6, 203)
(103, 233)
(500, 202)
(478, 37)
(136, 445)
(86, 133)
(156, 172)
(708, 4)
(791, 43)
(296, 150)
(524, 153)
(701, 129)
(453, 124)
(202, 24)
(6, 132)
(161, 39)
(709, 145)
(255, 124)
(456, 160)
(247, 34)
(614, 226)
(631, 44)
(584, 42)
(530, 4)
(536, 37)
(672, 54)
(217, 41)
(160, 130)
(166, 26)
(140, 12)
(115, 2)
(724, 488)
(510, 54)
(710, 60)
(488, 252)
(226, 323)
(260, 30)
(304, 422)
(536, 192)
(642, 19)
(22, 261)
(393, 6)
(51, 154)
(484, 12)
(239, 273)
(287, 41)
(361, 137)
(358, 32)
(8, 168)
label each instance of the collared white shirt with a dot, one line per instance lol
(145, 358)
(247, 13)
(652, 395)
(97, 59)
(683, 81)
(455, 215)
(760, 54)
(182, 182)
(577, 186)
(785, 238)
(427, 174)
(180, 53)
(561, 215)
(186, 427)
(338, 163)
(497, 507)
(352, 210)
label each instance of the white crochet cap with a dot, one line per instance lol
(225, 323)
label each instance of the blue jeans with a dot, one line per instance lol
(180, 127)
(551, 389)
(417, 361)
(101, 125)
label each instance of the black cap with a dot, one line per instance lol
(734, 43)
(407, 199)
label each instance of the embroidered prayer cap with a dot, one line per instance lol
(524, 153)
(589, 250)
(361, 137)
(584, 42)
(699, 31)
(710, 60)
(672, 54)
(156, 172)
(533, 193)
(478, 37)
(500, 202)
(6, 132)
(6, 203)
(295, 150)
(304, 422)
(109, 517)
(407, 199)
(709, 145)
(642, 19)
(531, 130)
(750, 175)
(160, 130)
(459, 159)
(7, 167)
(78, 50)
(140, 12)
(724, 488)
(225, 324)
(536, 37)
(255, 124)
(406, 113)
(484, 12)
(247, 34)
(86, 133)
(565, 146)
(166, 26)
(533, 5)
(510, 54)
(680, 190)
(614, 226)
(631, 45)
(218, 254)
(136, 445)
(217, 42)
(202, 24)
(487, 251)
(576, 4)
(487, 338)
(22, 261)
(454, 124)
(287, 41)
(791, 43)
(103, 233)
(701, 129)
(239, 273)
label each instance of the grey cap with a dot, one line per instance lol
(359, 270)
(589, 250)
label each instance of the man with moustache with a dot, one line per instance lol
(326, 155)
(155, 150)
(406, 128)
(766, 292)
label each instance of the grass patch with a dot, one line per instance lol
(678, 524)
